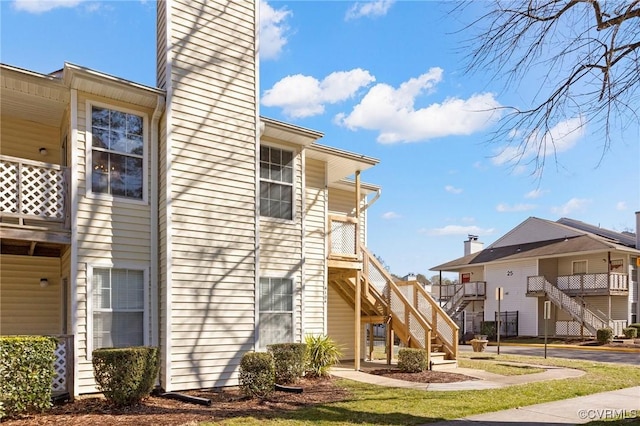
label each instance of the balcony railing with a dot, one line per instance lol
(32, 190)
(63, 376)
(343, 236)
(593, 283)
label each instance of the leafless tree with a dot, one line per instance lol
(581, 56)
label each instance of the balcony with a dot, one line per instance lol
(34, 201)
(601, 284)
(343, 243)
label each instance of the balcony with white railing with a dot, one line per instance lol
(34, 194)
(600, 284)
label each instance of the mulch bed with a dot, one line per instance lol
(225, 403)
(422, 377)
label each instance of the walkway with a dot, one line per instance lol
(485, 380)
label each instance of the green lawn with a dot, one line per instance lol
(496, 367)
(373, 405)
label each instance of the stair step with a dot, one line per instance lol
(443, 364)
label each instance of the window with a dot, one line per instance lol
(276, 183)
(118, 307)
(276, 311)
(117, 153)
(616, 265)
(579, 267)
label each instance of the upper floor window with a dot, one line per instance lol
(276, 183)
(117, 153)
(579, 267)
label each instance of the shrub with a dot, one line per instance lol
(630, 332)
(412, 360)
(604, 335)
(322, 354)
(26, 373)
(289, 360)
(126, 375)
(635, 325)
(490, 329)
(257, 374)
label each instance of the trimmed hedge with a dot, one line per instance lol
(322, 354)
(257, 374)
(630, 332)
(26, 373)
(289, 360)
(604, 335)
(412, 360)
(636, 325)
(126, 375)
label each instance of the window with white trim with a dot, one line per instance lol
(118, 307)
(276, 183)
(276, 311)
(117, 153)
(579, 267)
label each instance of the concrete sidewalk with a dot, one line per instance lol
(614, 405)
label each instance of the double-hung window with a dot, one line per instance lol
(118, 307)
(117, 153)
(276, 311)
(276, 183)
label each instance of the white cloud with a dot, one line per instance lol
(304, 96)
(390, 215)
(452, 189)
(504, 208)
(621, 205)
(273, 30)
(536, 193)
(369, 8)
(41, 6)
(458, 230)
(392, 113)
(560, 138)
(574, 204)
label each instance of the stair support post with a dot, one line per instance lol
(358, 295)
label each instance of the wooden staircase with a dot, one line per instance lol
(407, 309)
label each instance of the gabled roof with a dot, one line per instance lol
(625, 238)
(537, 238)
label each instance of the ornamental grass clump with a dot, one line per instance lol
(289, 360)
(257, 374)
(412, 360)
(322, 354)
(26, 374)
(126, 375)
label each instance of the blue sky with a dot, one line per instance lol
(385, 79)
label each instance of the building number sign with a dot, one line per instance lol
(509, 273)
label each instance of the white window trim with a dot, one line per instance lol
(146, 307)
(573, 268)
(89, 153)
(294, 187)
(261, 344)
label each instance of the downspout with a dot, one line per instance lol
(73, 261)
(154, 204)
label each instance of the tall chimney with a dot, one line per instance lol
(472, 245)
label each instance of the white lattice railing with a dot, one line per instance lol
(593, 283)
(33, 190)
(343, 231)
(63, 365)
(578, 311)
(462, 292)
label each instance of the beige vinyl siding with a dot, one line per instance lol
(596, 263)
(110, 231)
(281, 247)
(315, 251)
(340, 325)
(23, 139)
(161, 30)
(25, 307)
(208, 274)
(619, 306)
